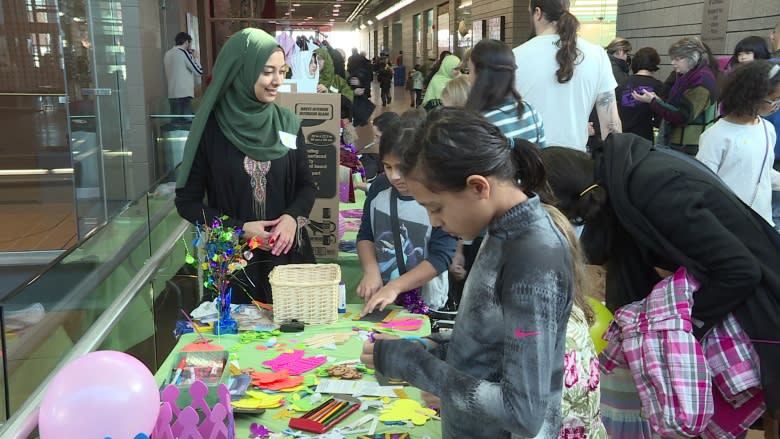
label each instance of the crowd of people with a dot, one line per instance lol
(515, 169)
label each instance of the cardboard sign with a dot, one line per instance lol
(320, 124)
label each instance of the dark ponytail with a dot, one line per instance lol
(529, 165)
(567, 46)
(556, 11)
(453, 144)
(571, 179)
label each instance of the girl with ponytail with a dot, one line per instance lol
(504, 359)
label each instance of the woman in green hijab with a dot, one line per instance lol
(330, 82)
(449, 69)
(247, 157)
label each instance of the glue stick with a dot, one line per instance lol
(342, 298)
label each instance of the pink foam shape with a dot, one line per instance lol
(295, 363)
(405, 324)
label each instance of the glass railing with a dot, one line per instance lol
(44, 319)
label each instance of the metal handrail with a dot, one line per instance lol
(25, 419)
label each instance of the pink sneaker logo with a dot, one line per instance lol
(522, 334)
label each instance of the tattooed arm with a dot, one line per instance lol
(607, 110)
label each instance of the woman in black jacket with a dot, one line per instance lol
(645, 208)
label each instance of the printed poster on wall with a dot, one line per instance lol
(477, 31)
(495, 28)
(714, 21)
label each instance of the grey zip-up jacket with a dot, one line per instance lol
(499, 373)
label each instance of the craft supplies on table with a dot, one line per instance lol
(207, 367)
(325, 416)
(292, 400)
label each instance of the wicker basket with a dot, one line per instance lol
(306, 292)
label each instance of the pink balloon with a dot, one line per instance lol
(102, 394)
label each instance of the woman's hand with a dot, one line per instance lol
(385, 296)
(430, 399)
(367, 356)
(359, 91)
(259, 229)
(458, 265)
(646, 96)
(370, 284)
(284, 234)
(321, 88)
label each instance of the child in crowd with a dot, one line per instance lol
(581, 378)
(456, 92)
(410, 87)
(398, 248)
(418, 79)
(385, 78)
(370, 159)
(740, 146)
(500, 371)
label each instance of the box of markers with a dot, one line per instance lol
(326, 415)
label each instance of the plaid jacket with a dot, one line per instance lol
(675, 373)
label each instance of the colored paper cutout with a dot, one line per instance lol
(295, 362)
(404, 324)
(407, 410)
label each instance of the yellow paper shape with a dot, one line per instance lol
(293, 389)
(263, 400)
(406, 409)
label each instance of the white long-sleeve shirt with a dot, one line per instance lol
(742, 156)
(180, 71)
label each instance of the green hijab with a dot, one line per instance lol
(252, 126)
(441, 78)
(328, 76)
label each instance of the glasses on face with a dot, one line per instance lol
(774, 103)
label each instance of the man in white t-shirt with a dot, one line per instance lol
(564, 93)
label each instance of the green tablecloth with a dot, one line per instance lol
(250, 357)
(351, 271)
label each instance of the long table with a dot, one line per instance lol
(251, 357)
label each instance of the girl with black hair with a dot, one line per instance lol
(749, 49)
(492, 72)
(500, 371)
(638, 117)
(740, 146)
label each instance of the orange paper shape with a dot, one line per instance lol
(293, 381)
(200, 346)
(269, 377)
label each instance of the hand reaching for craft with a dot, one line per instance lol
(458, 266)
(321, 88)
(430, 399)
(370, 284)
(646, 96)
(367, 356)
(259, 229)
(283, 235)
(379, 300)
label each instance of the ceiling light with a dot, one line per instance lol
(286, 13)
(362, 26)
(335, 14)
(394, 8)
(309, 18)
(369, 22)
(296, 4)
